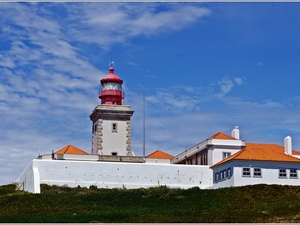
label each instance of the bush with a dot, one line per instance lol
(160, 192)
(6, 189)
(93, 187)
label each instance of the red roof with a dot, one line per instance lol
(70, 149)
(111, 77)
(159, 155)
(221, 135)
(262, 152)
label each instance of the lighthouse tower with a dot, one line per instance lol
(111, 130)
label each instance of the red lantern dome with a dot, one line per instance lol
(111, 92)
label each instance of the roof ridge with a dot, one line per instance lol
(295, 151)
(221, 135)
(259, 151)
(169, 156)
(69, 147)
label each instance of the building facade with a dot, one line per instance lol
(211, 150)
(259, 164)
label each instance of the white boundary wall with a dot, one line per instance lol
(112, 175)
(29, 179)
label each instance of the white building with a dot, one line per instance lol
(259, 164)
(211, 150)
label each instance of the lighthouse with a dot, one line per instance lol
(111, 129)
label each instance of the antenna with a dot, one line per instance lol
(112, 63)
(144, 159)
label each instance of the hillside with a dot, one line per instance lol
(255, 204)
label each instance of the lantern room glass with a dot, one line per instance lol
(111, 86)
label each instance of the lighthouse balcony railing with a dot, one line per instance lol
(111, 92)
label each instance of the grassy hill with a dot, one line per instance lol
(254, 204)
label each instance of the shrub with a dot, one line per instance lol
(93, 187)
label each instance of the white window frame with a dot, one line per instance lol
(224, 174)
(257, 172)
(221, 175)
(293, 173)
(216, 177)
(244, 171)
(230, 173)
(282, 173)
(226, 154)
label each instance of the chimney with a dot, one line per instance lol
(235, 133)
(288, 145)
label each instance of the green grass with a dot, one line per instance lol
(253, 204)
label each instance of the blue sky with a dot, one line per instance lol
(204, 67)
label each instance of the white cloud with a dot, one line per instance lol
(176, 98)
(116, 23)
(259, 64)
(238, 80)
(226, 84)
(6, 61)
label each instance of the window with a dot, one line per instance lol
(228, 172)
(111, 86)
(282, 173)
(293, 173)
(257, 172)
(95, 127)
(114, 153)
(226, 154)
(216, 177)
(114, 127)
(246, 172)
(221, 175)
(199, 160)
(204, 159)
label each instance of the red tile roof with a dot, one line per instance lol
(70, 149)
(159, 155)
(261, 152)
(221, 135)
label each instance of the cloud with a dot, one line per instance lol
(6, 61)
(259, 64)
(226, 84)
(238, 80)
(176, 99)
(124, 21)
